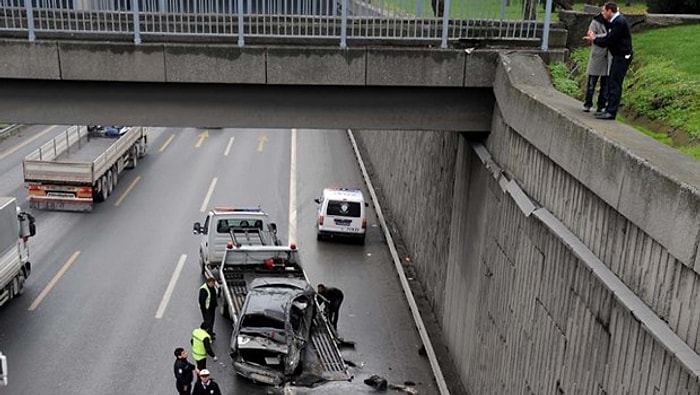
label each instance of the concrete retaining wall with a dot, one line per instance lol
(521, 310)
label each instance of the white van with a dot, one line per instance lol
(341, 212)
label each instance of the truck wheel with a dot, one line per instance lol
(134, 156)
(17, 286)
(115, 177)
(201, 265)
(103, 190)
(108, 182)
(97, 191)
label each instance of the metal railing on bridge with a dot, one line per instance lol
(343, 20)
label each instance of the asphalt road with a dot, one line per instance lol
(88, 324)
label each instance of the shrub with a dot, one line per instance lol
(561, 80)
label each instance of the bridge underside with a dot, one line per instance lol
(248, 106)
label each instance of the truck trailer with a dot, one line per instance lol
(280, 333)
(16, 228)
(81, 166)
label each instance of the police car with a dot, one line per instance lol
(341, 212)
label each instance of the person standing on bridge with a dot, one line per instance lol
(207, 304)
(619, 43)
(332, 299)
(598, 65)
(184, 372)
(201, 345)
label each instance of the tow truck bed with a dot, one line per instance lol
(322, 358)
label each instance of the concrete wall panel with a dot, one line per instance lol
(112, 61)
(480, 67)
(215, 64)
(315, 66)
(415, 67)
(22, 59)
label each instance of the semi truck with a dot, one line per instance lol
(16, 227)
(249, 225)
(3, 369)
(81, 166)
(281, 334)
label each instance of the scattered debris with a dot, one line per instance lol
(405, 388)
(345, 343)
(381, 384)
(350, 363)
(377, 382)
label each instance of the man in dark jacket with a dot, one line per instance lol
(619, 43)
(333, 298)
(206, 385)
(207, 303)
(183, 372)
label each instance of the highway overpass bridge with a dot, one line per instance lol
(561, 252)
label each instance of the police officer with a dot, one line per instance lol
(206, 385)
(201, 345)
(333, 298)
(207, 303)
(183, 372)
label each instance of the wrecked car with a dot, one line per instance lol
(273, 329)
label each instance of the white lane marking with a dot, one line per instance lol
(228, 147)
(209, 193)
(171, 287)
(53, 281)
(29, 140)
(167, 142)
(293, 190)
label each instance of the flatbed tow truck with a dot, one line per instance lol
(321, 360)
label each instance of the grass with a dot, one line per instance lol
(674, 43)
(461, 9)
(661, 97)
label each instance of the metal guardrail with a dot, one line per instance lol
(7, 131)
(433, 20)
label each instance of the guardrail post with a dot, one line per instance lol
(547, 21)
(30, 19)
(137, 23)
(445, 23)
(503, 9)
(241, 39)
(344, 25)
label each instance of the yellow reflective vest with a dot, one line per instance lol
(199, 352)
(208, 301)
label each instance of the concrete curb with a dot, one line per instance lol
(430, 352)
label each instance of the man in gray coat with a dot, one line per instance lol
(598, 66)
